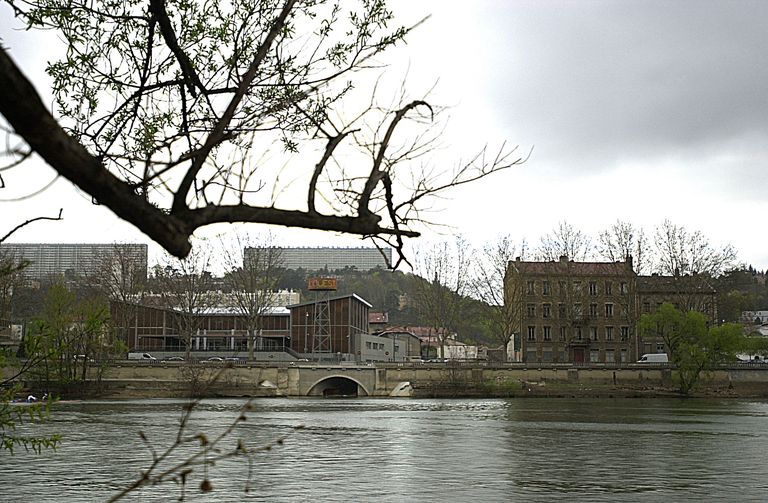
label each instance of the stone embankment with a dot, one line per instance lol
(177, 379)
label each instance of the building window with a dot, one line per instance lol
(531, 333)
(609, 358)
(608, 287)
(546, 310)
(593, 333)
(545, 287)
(561, 311)
(646, 307)
(659, 348)
(562, 333)
(577, 309)
(547, 333)
(368, 345)
(624, 333)
(593, 287)
(623, 355)
(609, 310)
(578, 334)
(563, 289)
(577, 287)
(531, 288)
(546, 356)
(594, 356)
(531, 310)
(624, 288)
(608, 333)
(593, 310)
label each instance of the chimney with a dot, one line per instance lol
(563, 258)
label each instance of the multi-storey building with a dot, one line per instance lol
(686, 292)
(574, 312)
(588, 312)
(316, 259)
(58, 259)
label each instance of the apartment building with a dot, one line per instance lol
(574, 312)
(331, 258)
(48, 260)
(686, 292)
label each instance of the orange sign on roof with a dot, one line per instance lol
(322, 284)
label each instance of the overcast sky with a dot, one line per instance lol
(639, 111)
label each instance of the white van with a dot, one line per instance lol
(654, 358)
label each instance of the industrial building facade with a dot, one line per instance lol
(331, 259)
(327, 329)
(47, 260)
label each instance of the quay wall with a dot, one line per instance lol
(177, 379)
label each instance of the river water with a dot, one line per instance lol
(415, 450)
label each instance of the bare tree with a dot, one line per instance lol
(254, 270)
(186, 289)
(681, 252)
(500, 295)
(176, 116)
(564, 240)
(444, 280)
(623, 240)
(122, 280)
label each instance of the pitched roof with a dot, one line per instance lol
(378, 317)
(570, 267)
(674, 284)
(331, 299)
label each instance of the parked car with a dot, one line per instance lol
(232, 359)
(215, 359)
(147, 356)
(174, 359)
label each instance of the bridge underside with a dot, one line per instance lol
(337, 387)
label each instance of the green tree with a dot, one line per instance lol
(693, 346)
(71, 341)
(12, 416)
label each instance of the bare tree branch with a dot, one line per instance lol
(23, 224)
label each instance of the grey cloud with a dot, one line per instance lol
(602, 81)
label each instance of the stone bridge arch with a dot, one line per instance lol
(338, 385)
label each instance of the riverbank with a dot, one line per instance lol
(135, 380)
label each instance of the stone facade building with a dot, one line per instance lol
(575, 312)
(686, 292)
(587, 312)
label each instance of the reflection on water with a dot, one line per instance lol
(427, 450)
